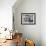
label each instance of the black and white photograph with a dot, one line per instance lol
(28, 18)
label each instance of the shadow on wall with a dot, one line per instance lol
(17, 4)
(17, 20)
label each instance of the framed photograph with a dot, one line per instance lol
(28, 18)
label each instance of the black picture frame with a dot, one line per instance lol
(28, 18)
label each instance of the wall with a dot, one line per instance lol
(6, 13)
(29, 31)
(43, 22)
